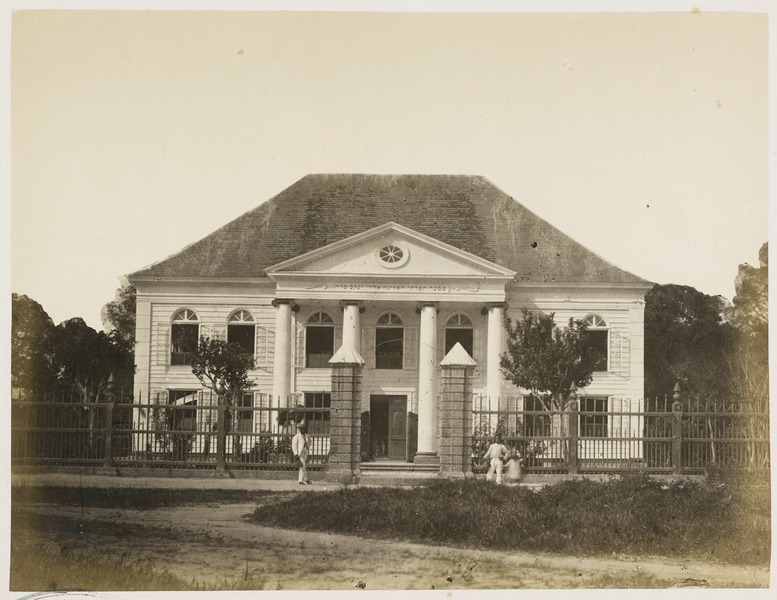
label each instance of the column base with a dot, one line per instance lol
(426, 458)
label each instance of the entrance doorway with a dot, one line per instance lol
(388, 427)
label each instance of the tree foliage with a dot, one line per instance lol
(118, 316)
(686, 340)
(67, 357)
(749, 363)
(547, 360)
(86, 358)
(215, 360)
(32, 345)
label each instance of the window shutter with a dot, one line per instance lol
(162, 344)
(338, 338)
(219, 332)
(478, 353)
(368, 347)
(440, 345)
(616, 426)
(299, 346)
(264, 346)
(410, 349)
(619, 353)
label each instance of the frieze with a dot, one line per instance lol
(390, 287)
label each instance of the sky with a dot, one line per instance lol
(643, 136)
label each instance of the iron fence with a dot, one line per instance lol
(159, 433)
(620, 435)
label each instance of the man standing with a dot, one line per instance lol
(497, 452)
(300, 446)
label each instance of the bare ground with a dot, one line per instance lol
(215, 546)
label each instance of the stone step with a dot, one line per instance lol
(398, 467)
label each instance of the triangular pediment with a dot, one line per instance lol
(390, 250)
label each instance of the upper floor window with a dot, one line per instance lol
(389, 342)
(319, 340)
(184, 336)
(597, 338)
(241, 330)
(458, 329)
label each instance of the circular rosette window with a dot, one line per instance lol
(392, 255)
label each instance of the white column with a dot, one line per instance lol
(281, 376)
(493, 352)
(352, 328)
(427, 374)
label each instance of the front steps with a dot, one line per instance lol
(396, 473)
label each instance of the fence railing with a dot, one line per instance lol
(196, 432)
(656, 437)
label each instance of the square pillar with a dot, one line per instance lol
(344, 461)
(456, 414)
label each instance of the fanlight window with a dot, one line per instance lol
(458, 329)
(597, 338)
(389, 342)
(184, 336)
(392, 255)
(241, 330)
(319, 340)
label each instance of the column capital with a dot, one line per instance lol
(290, 302)
(489, 305)
(420, 305)
(359, 303)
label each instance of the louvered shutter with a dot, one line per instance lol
(619, 353)
(338, 338)
(616, 426)
(368, 347)
(264, 346)
(162, 343)
(478, 352)
(299, 345)
(410, 349)
(440, 345)
(219, 332)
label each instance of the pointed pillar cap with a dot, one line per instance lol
(457, 357)
(346, 355)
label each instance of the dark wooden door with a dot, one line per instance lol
(397, 432)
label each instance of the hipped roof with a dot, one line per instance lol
(468, 212)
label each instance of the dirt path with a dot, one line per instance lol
(215, 546)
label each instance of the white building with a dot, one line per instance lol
(398, 267)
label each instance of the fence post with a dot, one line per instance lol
(677, 431)
(572, 439)
(108, 452)
(221, 433)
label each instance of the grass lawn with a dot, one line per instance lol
(630, 515)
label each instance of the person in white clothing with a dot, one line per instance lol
(300, 446)
(497, 452)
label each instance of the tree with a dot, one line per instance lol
(547, 360)
(118, 315)
(215, 360)
(86, 358)
(749, 360)
(32, 345)
(750, 311)
(686, 340)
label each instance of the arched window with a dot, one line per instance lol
(241, 330)
(389, 342)
(597, 338)
(319, 340)
(184, 336)
(458, 328)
